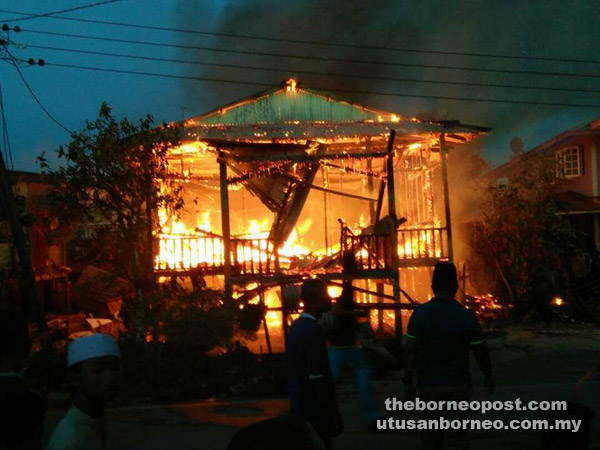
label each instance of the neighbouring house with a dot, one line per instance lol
(47, 241)
(578, 200)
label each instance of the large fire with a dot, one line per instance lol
(194, 241)
(183, 247)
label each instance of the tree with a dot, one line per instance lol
(114, 177)
(522, 236)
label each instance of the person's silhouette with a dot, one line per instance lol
(440, 335)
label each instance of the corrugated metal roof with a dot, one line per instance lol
(297, 113)
(287, 104)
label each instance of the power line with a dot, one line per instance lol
(313, 72)
(37, 100)
(37, 16)
(315, 58)
(321, 43)
(349, 91)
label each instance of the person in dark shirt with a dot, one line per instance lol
(440, 334)
(21, 405)
(342, 329)
(311, 385)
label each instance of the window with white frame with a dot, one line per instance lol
(569, 162)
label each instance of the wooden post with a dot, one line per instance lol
(371, 187)
(326, 220)
(225, 225)
(284, 317)
(379, 201)
(390, 183)
(264, 319)
(443, 155)
(375, 211)
(393, 232)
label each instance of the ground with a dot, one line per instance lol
(540, 363)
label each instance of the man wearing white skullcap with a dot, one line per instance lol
(94, 363)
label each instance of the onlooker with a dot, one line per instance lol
(94, 363)
(312, 390)
(21, 407)
(342, 330)
(282, 432)
(439, 336)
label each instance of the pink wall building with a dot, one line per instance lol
(578, 160)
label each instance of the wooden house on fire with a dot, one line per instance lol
(279, 185)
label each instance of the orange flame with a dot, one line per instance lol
(291, 85)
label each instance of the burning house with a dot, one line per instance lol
(280, 185)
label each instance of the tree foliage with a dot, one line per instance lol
(521, 236)
(114, 176)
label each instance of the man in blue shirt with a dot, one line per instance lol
(311, 386)
(440, 334)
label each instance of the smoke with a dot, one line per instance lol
(550, 28)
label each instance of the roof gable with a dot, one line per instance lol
(291, 103)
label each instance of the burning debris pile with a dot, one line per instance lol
(486, 307)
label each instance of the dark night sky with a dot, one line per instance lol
(566, 30)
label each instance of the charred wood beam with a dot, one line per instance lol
(330, 191)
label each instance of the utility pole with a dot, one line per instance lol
(28, 283)
(30, 303)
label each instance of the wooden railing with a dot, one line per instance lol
(183, 253)
(415, 245)
(253, 256)
(258, 256)
(177, 252)
(423, 243)
(372, 251)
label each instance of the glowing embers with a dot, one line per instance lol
(487, 306)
